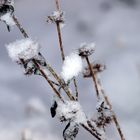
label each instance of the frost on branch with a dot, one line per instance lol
(71, 130)
(70, 111)
(23, 52)
(72, 66)
(104, 115)
(6, 13)
(57, 17)
(25, 49)
(86, 49)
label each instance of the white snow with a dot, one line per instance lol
(7, 18)
(57, 16)
(71, 110)
(23, 49)
(87, 48)
(72, 66)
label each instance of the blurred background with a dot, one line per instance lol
(114, 25)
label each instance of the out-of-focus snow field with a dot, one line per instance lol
(114, 25)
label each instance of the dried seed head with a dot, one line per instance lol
(96, 68)
(56, 17)
(104, 115)
(86, 49)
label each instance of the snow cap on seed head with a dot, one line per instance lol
(86, 49)
(25, 49)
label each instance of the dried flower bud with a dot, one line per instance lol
(86, 49)
(96, 68)
(104, 115)
(56, 17)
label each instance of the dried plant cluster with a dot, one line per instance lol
(26, 53)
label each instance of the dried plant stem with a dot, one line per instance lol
(60, 41)
(61, 82)
(20, 27)
(57, 5)
(91, 131)
(65, 88)
(34, 61)
(48, 66)
(97, 84)
(49, 81)
(61, 45)
(93, 77)
(113, 113)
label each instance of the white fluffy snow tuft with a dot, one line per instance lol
(7, 18)
(86, 49)
(71, 110)
(72, 66)
(23, 49)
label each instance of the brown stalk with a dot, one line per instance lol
(114, 117)
(61, 45)
(50, 69)
(20, 27)
(34, 61)
(96, 83)
(93, 77)
(49, 81)
(91, 131)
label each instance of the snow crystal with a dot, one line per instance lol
(7, 18)
(23, 49)
(72, 66)
(86, 49)
(70, 110)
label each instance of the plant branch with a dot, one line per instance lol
(61, 45)
(93, 77)
(62, 84)
(113, 113)
(20, 27)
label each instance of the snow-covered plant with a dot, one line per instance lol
(57, 17)
(72, 66)
(66, 108)
(104, 116)
(86, 49)
(6, 13)
(25, 49)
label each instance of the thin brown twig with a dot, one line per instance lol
(62, 83)
(50, 69)
(60, 41)
(113, 113)
(61, 45)
(93, 77)
(57, 5)
(96, 83)
(20, 27)
(46, 77)
(91, 131)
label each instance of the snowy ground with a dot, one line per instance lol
(113, 25)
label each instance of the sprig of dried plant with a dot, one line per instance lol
(57, 83)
